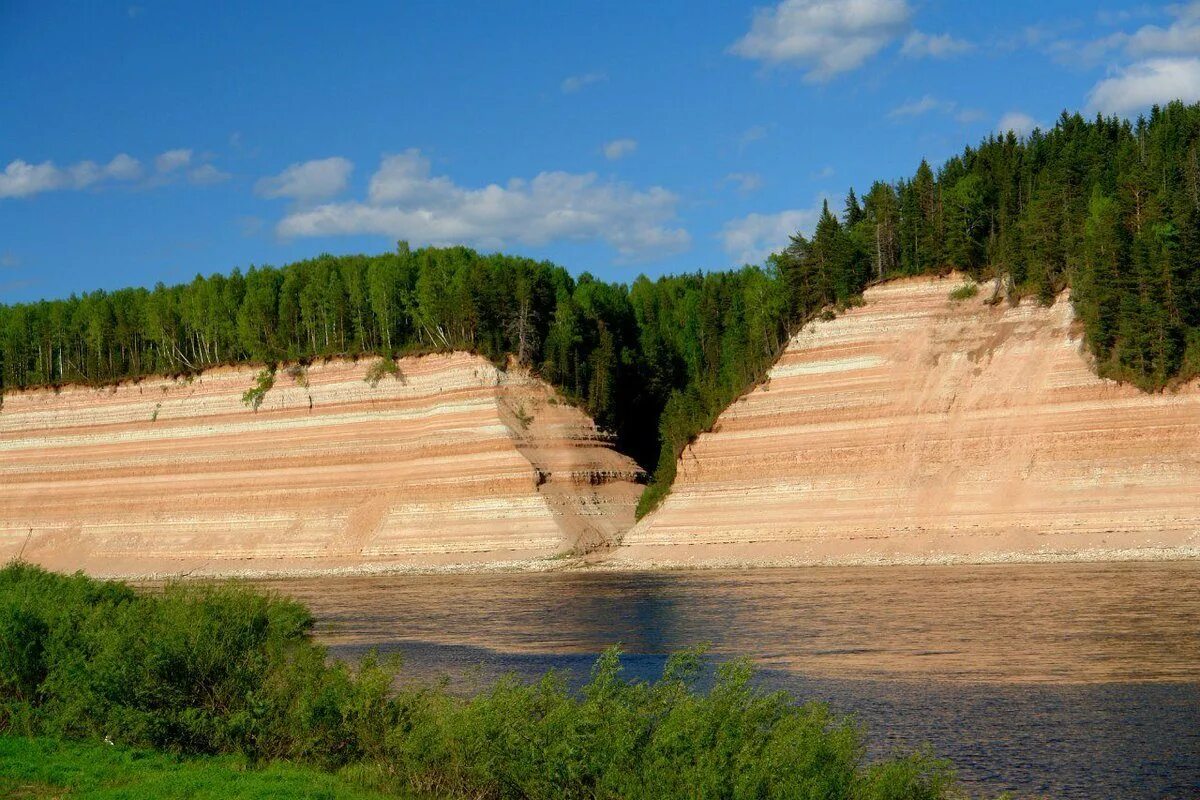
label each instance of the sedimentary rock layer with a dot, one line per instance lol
(918, 428)
(453, 462)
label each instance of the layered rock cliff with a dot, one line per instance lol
(919, 428)
(450, 463)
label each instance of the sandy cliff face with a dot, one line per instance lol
(456, 464)
(916, 428)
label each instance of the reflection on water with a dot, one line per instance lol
(1050, 680)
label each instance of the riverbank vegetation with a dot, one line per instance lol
(42, 768)
(1105, 206)
(218, 679)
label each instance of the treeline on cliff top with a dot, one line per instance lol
(201, 670)
(1108, 207)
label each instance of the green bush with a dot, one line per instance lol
(187, 669)
(225, 669)
(264, 381)
(965, 292)
(381, 368)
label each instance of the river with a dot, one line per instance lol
(1057, 680)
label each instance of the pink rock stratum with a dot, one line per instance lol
(920, 429)
(458, 465)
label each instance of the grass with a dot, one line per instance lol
(36, 768)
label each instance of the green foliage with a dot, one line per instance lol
(965, 292)
(381, 368)
(189, 670)
(212, 670)
(264, 381)
(523, 417)
(51, 769)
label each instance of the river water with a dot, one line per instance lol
(1058, 680)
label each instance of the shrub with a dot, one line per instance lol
(382, 368)
(263, 383)
(965, 292)
(224, 669)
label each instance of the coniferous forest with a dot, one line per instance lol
(1106, 207)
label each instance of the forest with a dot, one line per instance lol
(1106, 207)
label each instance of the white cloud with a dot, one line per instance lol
(574, 83)
(172, 160)
(207, 174)
(22, 179)
(619, 148)
(916, 108)
(1018, 122)
(1181, 37)
(750, 239)
(124, 167)
(9, 261)
(825, 173)
(929, 104)
(309, 181)
(826, 37)
(406, 202)
(1140, 85)
(746, 182)
(925, 45)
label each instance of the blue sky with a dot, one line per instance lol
(158, 140)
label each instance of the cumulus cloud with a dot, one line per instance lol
(172, 160)
(124, 168)
(22, 179)
(924, 45)
(750, 239)
(746, 182)
(405, 201)
(308, 181)
(1164, 63)
(574, 83)
(1140, 85)
(826, 37)
(1181, 37)
(1018, 122)
(619, 148)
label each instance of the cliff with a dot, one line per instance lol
(914, 428)
(452, 463)
(917, 428)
